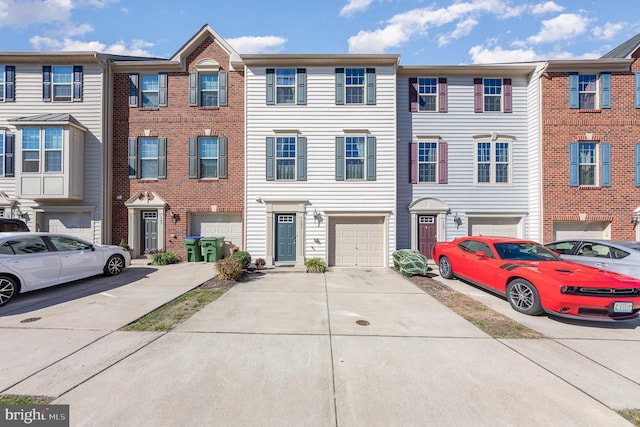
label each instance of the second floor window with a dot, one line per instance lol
(208, 154)
(587, 91)
(149, 90)
(286, 158)
(354, 157)
(492, 162)
(62, 83)
(354, 85)
(587, 163)
(2, 96)
(427, 94)
(492, 94)
(2, 152)
(427, 161)
(148, 158)
(209, 89)
(33, 150)
(285, 86)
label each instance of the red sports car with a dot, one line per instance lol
(535, 280)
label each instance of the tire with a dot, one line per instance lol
(114, 265)
(444, 265)
(524, 297)
(8, 289)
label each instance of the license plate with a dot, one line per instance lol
(622, 307)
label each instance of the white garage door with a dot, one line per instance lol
(579, 229)
(75, 223)
(356, 242)
(227, 225)
(507, 227)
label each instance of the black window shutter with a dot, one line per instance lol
(339, 86)
(133, 157)
(193, 157)
(371, 86)
(77, 83)
(222, 157)
(10, 83)
(46, 83)
(9, 159)
(301, 75)
(133, 90)
(162, 89)
(222, 88)
(162, 157)
(271, 91)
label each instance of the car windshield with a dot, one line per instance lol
(525, 251)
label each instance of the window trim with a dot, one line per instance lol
(194, 157)
(55, 85)
(435, 95)
(3, 83)
(485, 95)
(134, 159)
(369, 85)
(370, 157)
(143, 91)
(201, 158)
(43, 167)
(300, 159)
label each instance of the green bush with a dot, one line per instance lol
(244, 258)
(229, 269)
(164, 258)
(315, 265)
(124, 245)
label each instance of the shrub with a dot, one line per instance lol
(229, 269)
(315, 265)
(260, 261)
(124, 245)
(164, 258)
(244, 257)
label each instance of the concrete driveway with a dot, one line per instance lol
(351, 347)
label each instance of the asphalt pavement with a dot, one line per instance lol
(350, 347)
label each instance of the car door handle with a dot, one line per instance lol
(601, 265)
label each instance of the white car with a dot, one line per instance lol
(30, 261)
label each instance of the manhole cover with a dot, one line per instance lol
(362, 322)
(30, 319)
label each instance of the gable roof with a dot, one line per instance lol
(625, 49)
(199, 37)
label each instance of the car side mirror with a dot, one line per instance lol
(481, 255)
(93, 248)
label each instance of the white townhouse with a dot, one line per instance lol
(55, 170)
(468, 152)
(321, 158)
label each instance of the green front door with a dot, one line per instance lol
(285, 237)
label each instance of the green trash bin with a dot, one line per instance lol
(220, 246)
(209, 249)
(192, 246)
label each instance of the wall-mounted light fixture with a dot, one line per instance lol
(119, 197)
(259, 200)
(173, 215)
(635, 217)
(457, 220)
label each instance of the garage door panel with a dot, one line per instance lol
(75, 223)
(357, 242)
(579, 229)
(507, 227)
(227, 225)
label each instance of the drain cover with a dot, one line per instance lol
(30, 319)
(362, 322)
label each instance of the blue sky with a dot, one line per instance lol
(423, 32)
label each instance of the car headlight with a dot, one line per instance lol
(568, 289)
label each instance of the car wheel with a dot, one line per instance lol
(444, 265)
(523, 297)
(114, 265)
(8, 289)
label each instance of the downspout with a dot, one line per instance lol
(107, 149)
(538, 74)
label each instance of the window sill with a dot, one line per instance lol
(208, 108)
(596, 111)
(589, 187)
(148, 108)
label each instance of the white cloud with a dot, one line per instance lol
(21, 14)
(134, 48)
(80, 30)
(257, 44)
(402, 27)
(513, 11)
(354, 6)
(463, 29)
(547, 7)
(485, 55)
(562, 27)
(608, 31)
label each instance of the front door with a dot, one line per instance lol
(427, 234)
(285, 237)
(149, 229)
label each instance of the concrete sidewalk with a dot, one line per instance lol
(350, 347)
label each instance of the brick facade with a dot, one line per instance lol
(560, 126)
(178, 122)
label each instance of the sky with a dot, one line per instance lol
(422, 32)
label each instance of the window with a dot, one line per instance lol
(355, 86)
(492, 162)
(209, 90)
(7, 83)
(356, 158)
(62, 83)
(24, 245)
(587, 91)
(285, 85)
(285, 158)
(148, 158)
(2, 151)
(2, 78)
(427, 94)
(208, 157)
(492, 94)
(589, 164)
(427, 161)
(208, 154)
(64, 244)
(207, 87)
(149, 91)
(31, 150)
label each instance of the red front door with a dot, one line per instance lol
(427, 234)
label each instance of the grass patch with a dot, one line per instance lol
(631, 415)
(10, 399)
(174, 312)
(489, 321)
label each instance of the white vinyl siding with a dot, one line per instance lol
(320, 121)
(459, 127)
(89, 112)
